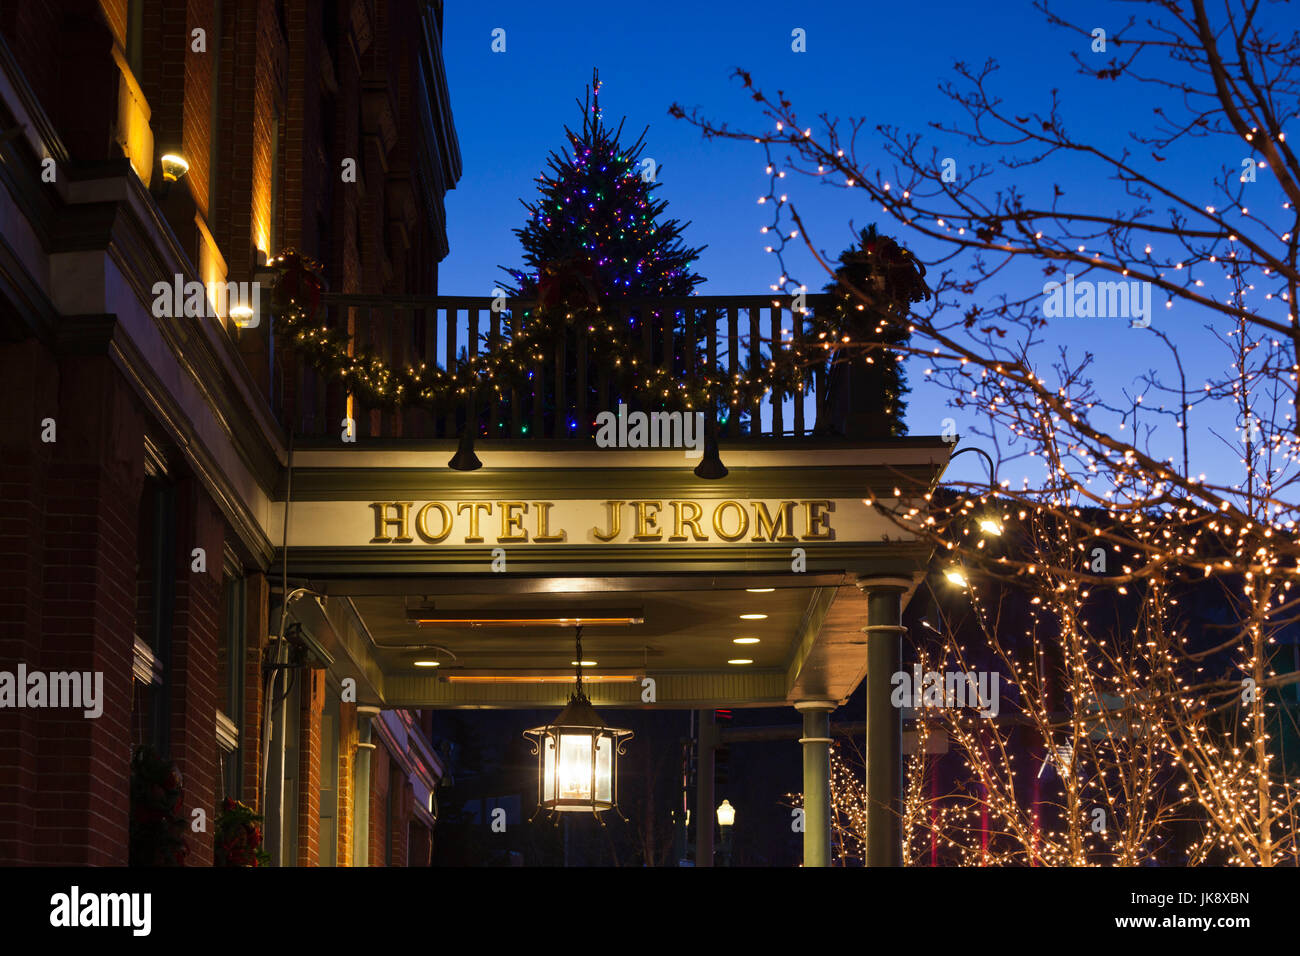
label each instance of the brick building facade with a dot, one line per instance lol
(139, 454)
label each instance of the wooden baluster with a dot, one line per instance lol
(796, 343)
(429, 356)
(755, 362)
(390, 421)
(581, 413)
(733, 367)
(603, 400)
(538, 427)
(471, 403)
(364, 340)
(778, 400)
(450, 365)
(516, 410)
(711, 356)
(560, 428)
(494, 413)
(669, 318)
(647, 357)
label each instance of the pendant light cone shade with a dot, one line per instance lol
(465, 459)
(710, 465)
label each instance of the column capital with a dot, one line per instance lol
(802, 705)
(883, 582)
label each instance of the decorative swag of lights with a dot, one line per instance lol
(578, 756)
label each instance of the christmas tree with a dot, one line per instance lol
(596, 230)
(596, 234)
(869, 302)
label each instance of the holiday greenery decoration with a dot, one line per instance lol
(158, 824)
(889, 278)
(597, 257)
(238, 837)
(528, 340)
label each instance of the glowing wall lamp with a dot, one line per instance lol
(174, 166)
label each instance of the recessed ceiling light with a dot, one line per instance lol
(760, 590)
(744, 640)
(427, 663)
(753, 617)
(740, 660)
(582, 663)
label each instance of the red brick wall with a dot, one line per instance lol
(68, 603)
(309, 769)
(193, 678)
(95, 481)
(347, 762)
(31, 378)
(379, 764)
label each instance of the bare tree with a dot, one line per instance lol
(1222, 82)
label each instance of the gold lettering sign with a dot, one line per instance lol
(693, 521)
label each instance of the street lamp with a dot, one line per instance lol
(578, 756)
(726, 820)
(989, 522)
(956, 576)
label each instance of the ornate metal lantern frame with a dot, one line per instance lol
(577, 757)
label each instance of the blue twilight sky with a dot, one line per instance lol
(882, 62)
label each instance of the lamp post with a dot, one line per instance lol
(578, 756)
(989, 522)
(726, 820)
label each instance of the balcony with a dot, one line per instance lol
(565, 393)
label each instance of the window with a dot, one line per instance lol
(155, 590)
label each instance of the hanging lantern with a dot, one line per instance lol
(578, 756)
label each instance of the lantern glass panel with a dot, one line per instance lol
(575, 766)
(548, 768)
(605, 769)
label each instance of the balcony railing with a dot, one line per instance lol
(567, 391)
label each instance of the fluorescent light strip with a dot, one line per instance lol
(605, 617)
(540, 678)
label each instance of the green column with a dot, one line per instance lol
(706, 744)
(361, 788)
(816, 742)
(884, 731)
